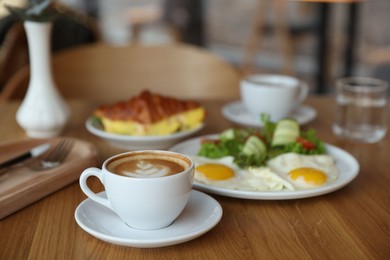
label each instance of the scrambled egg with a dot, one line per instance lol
(179, 122)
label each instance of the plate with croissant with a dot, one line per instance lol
(146, 121)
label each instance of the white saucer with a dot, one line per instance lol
(237, 113)
(200, 215)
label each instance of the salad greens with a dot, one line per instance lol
(251, 147)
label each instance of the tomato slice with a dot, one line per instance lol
(305, 143)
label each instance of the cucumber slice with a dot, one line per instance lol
(254, 146)
(227, 134)
(286, 131)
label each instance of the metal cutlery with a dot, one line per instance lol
(40, 159)
(34, 152)
(55, 157)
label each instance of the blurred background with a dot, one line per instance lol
(316, 40)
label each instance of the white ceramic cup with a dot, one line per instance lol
(276, 95)
(148, 200)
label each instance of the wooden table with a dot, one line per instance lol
(351, 223)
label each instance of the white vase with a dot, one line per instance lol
(43, 112)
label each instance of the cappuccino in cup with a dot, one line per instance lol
(146, 189)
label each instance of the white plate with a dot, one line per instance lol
(129, 142)
(346, 164)
(200, 215)
(237, 113)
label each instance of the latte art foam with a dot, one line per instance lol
(146, 169)
(147, 166)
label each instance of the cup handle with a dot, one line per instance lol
(84, 187)
(303, 93)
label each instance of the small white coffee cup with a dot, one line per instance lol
(276, 95)
(138, 189)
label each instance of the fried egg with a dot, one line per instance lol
(224, 173)
(305, 171)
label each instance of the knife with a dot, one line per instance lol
(34, 152)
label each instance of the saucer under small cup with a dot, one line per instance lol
(200, 215)
(237, 113)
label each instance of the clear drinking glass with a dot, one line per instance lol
(361, 112)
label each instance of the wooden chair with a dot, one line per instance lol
(105, 73)
(258, 30)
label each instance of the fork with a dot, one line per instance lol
(55, 157)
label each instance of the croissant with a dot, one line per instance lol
(150, 114)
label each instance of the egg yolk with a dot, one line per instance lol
(309, 175)
(214, 171)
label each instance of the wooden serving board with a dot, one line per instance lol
(21, 186)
